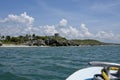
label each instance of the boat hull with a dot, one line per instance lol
(85, 74)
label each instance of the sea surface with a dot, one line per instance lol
(51, 63)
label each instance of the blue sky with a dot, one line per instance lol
(95, 19)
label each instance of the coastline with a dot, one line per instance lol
(21, 45)
(13, 45)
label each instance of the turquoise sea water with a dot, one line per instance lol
(51, 63)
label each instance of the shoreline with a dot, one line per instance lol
(13, 45)
(21, 45)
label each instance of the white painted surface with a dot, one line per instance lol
(85, 74)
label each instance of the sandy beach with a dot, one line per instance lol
(13, 45)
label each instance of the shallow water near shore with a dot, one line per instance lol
(51, 63)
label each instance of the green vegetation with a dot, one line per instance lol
(55, 40)
(88, 42)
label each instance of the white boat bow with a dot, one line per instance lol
(85, 74)
(99, 71)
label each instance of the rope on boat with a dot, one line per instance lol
(114, 68)
(105, 76)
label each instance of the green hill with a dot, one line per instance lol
(88, 42)
(56, 40)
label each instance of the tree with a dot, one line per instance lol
(33, 36)
(3, 37)
(14, 39)
(8, 38)
(27, 37)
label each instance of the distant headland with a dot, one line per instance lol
(55, 40)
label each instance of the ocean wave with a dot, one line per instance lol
(11, 76)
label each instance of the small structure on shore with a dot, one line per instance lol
(0, 43)
(56, 35)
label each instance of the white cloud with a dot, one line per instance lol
(63, 22)
(23, 18)
(108, 36)
(84, 31)
(24, 24)
(105, 35)
(49, 30)
(16, 24)
(70, 32)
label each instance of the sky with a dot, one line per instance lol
(73, 19)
